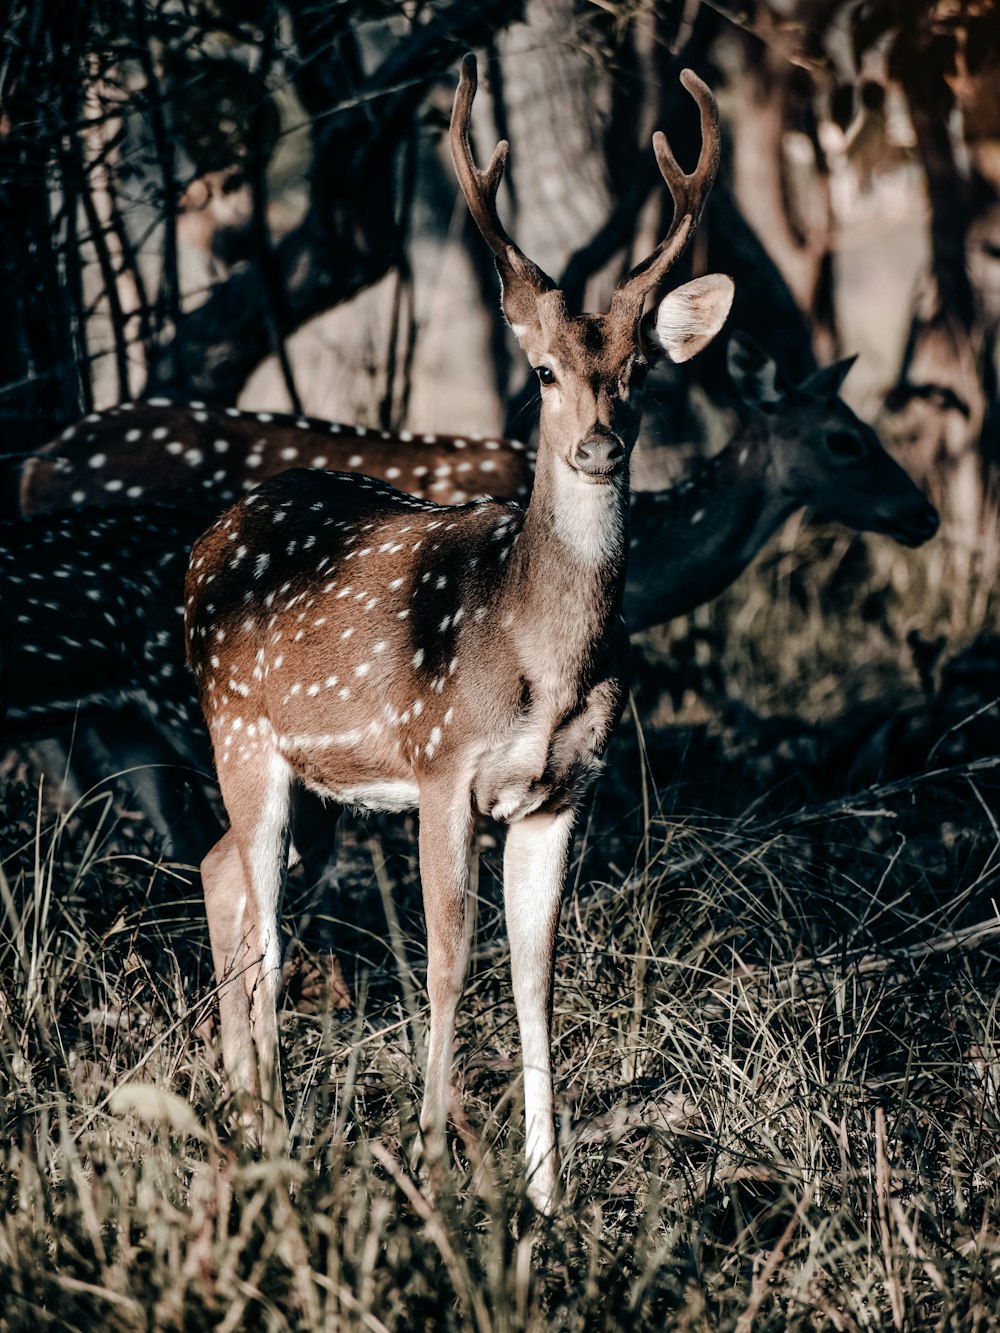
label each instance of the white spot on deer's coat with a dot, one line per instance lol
(697, 517)
(97, 460)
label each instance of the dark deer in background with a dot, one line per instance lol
(798, 446)
(91, 604)
(389, 653)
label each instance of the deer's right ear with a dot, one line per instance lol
(688, 318)
(519, 305)
(530, 314)
(753, 370)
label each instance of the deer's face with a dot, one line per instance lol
(592, 368)
(591, 374)
(834, 463)
(823, 455)
(838, 467)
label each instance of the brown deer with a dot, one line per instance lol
(75, 662)
(389, 653)
(157, 450)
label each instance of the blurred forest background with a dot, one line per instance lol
(252, 202)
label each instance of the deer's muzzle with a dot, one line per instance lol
(599, 455)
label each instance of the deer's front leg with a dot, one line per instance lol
(445, 829)
(534, 872)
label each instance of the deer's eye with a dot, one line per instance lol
(545, 375)
(845, 445)
(637, 376)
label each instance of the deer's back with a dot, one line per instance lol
(158, 450)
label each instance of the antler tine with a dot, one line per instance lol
(480, 187)
(688, 190)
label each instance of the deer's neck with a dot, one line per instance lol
(565, 576)
(689, 542)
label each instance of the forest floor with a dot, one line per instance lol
(777, 1047)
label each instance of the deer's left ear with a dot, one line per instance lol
(689, 318)
(825, 383)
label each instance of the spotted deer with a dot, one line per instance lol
(389, 653)
(157, 450)
(91, 606)
(797, 445)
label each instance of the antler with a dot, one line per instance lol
(480, 188)
(688, 191)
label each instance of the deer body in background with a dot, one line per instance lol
(91, 606)
(388, 653)
(160, 451)
(799, 445)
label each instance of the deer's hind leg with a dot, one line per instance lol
(244, 878)
(314, 829)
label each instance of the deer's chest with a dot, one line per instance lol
(547, 756)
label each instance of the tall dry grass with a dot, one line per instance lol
(776, 1044)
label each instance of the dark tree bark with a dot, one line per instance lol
(40, 355)
(349, 238)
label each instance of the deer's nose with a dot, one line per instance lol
(599, 454)
(927, 521)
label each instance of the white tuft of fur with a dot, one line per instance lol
(588, 516)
